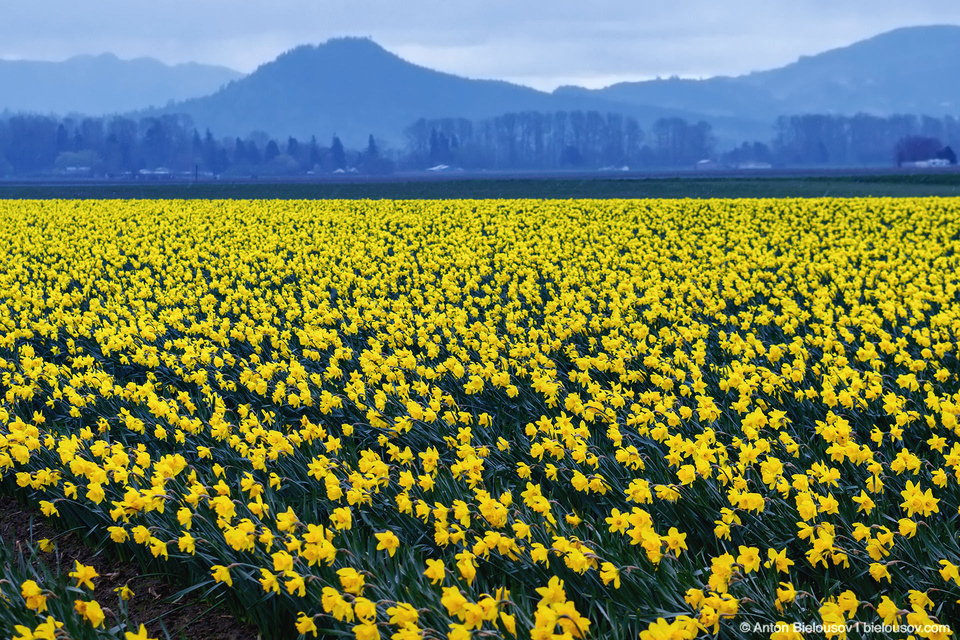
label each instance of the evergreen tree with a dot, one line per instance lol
(239, 152)
(212, 155)
(337, 155)
(293, 148)
(271, 152)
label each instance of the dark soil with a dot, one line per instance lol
(811, 182)
(152, 604)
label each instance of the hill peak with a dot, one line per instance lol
(347, 48)
(353, 44)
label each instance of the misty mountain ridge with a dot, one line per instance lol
(102, 84)
(353, 87)
(910, 70)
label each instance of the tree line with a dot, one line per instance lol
(534, 140)
(164, 145)
(171, 144)
(863, 139)
(591, 140)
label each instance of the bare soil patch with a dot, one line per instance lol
(153, 603)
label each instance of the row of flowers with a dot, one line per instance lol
(486, 418)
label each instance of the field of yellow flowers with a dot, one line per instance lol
(479, 419)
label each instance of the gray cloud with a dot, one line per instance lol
(542, 43)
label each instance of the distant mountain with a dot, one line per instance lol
(96, 85)
(352, 87)
(911, 70)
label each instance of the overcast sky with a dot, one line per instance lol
(540, 43)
